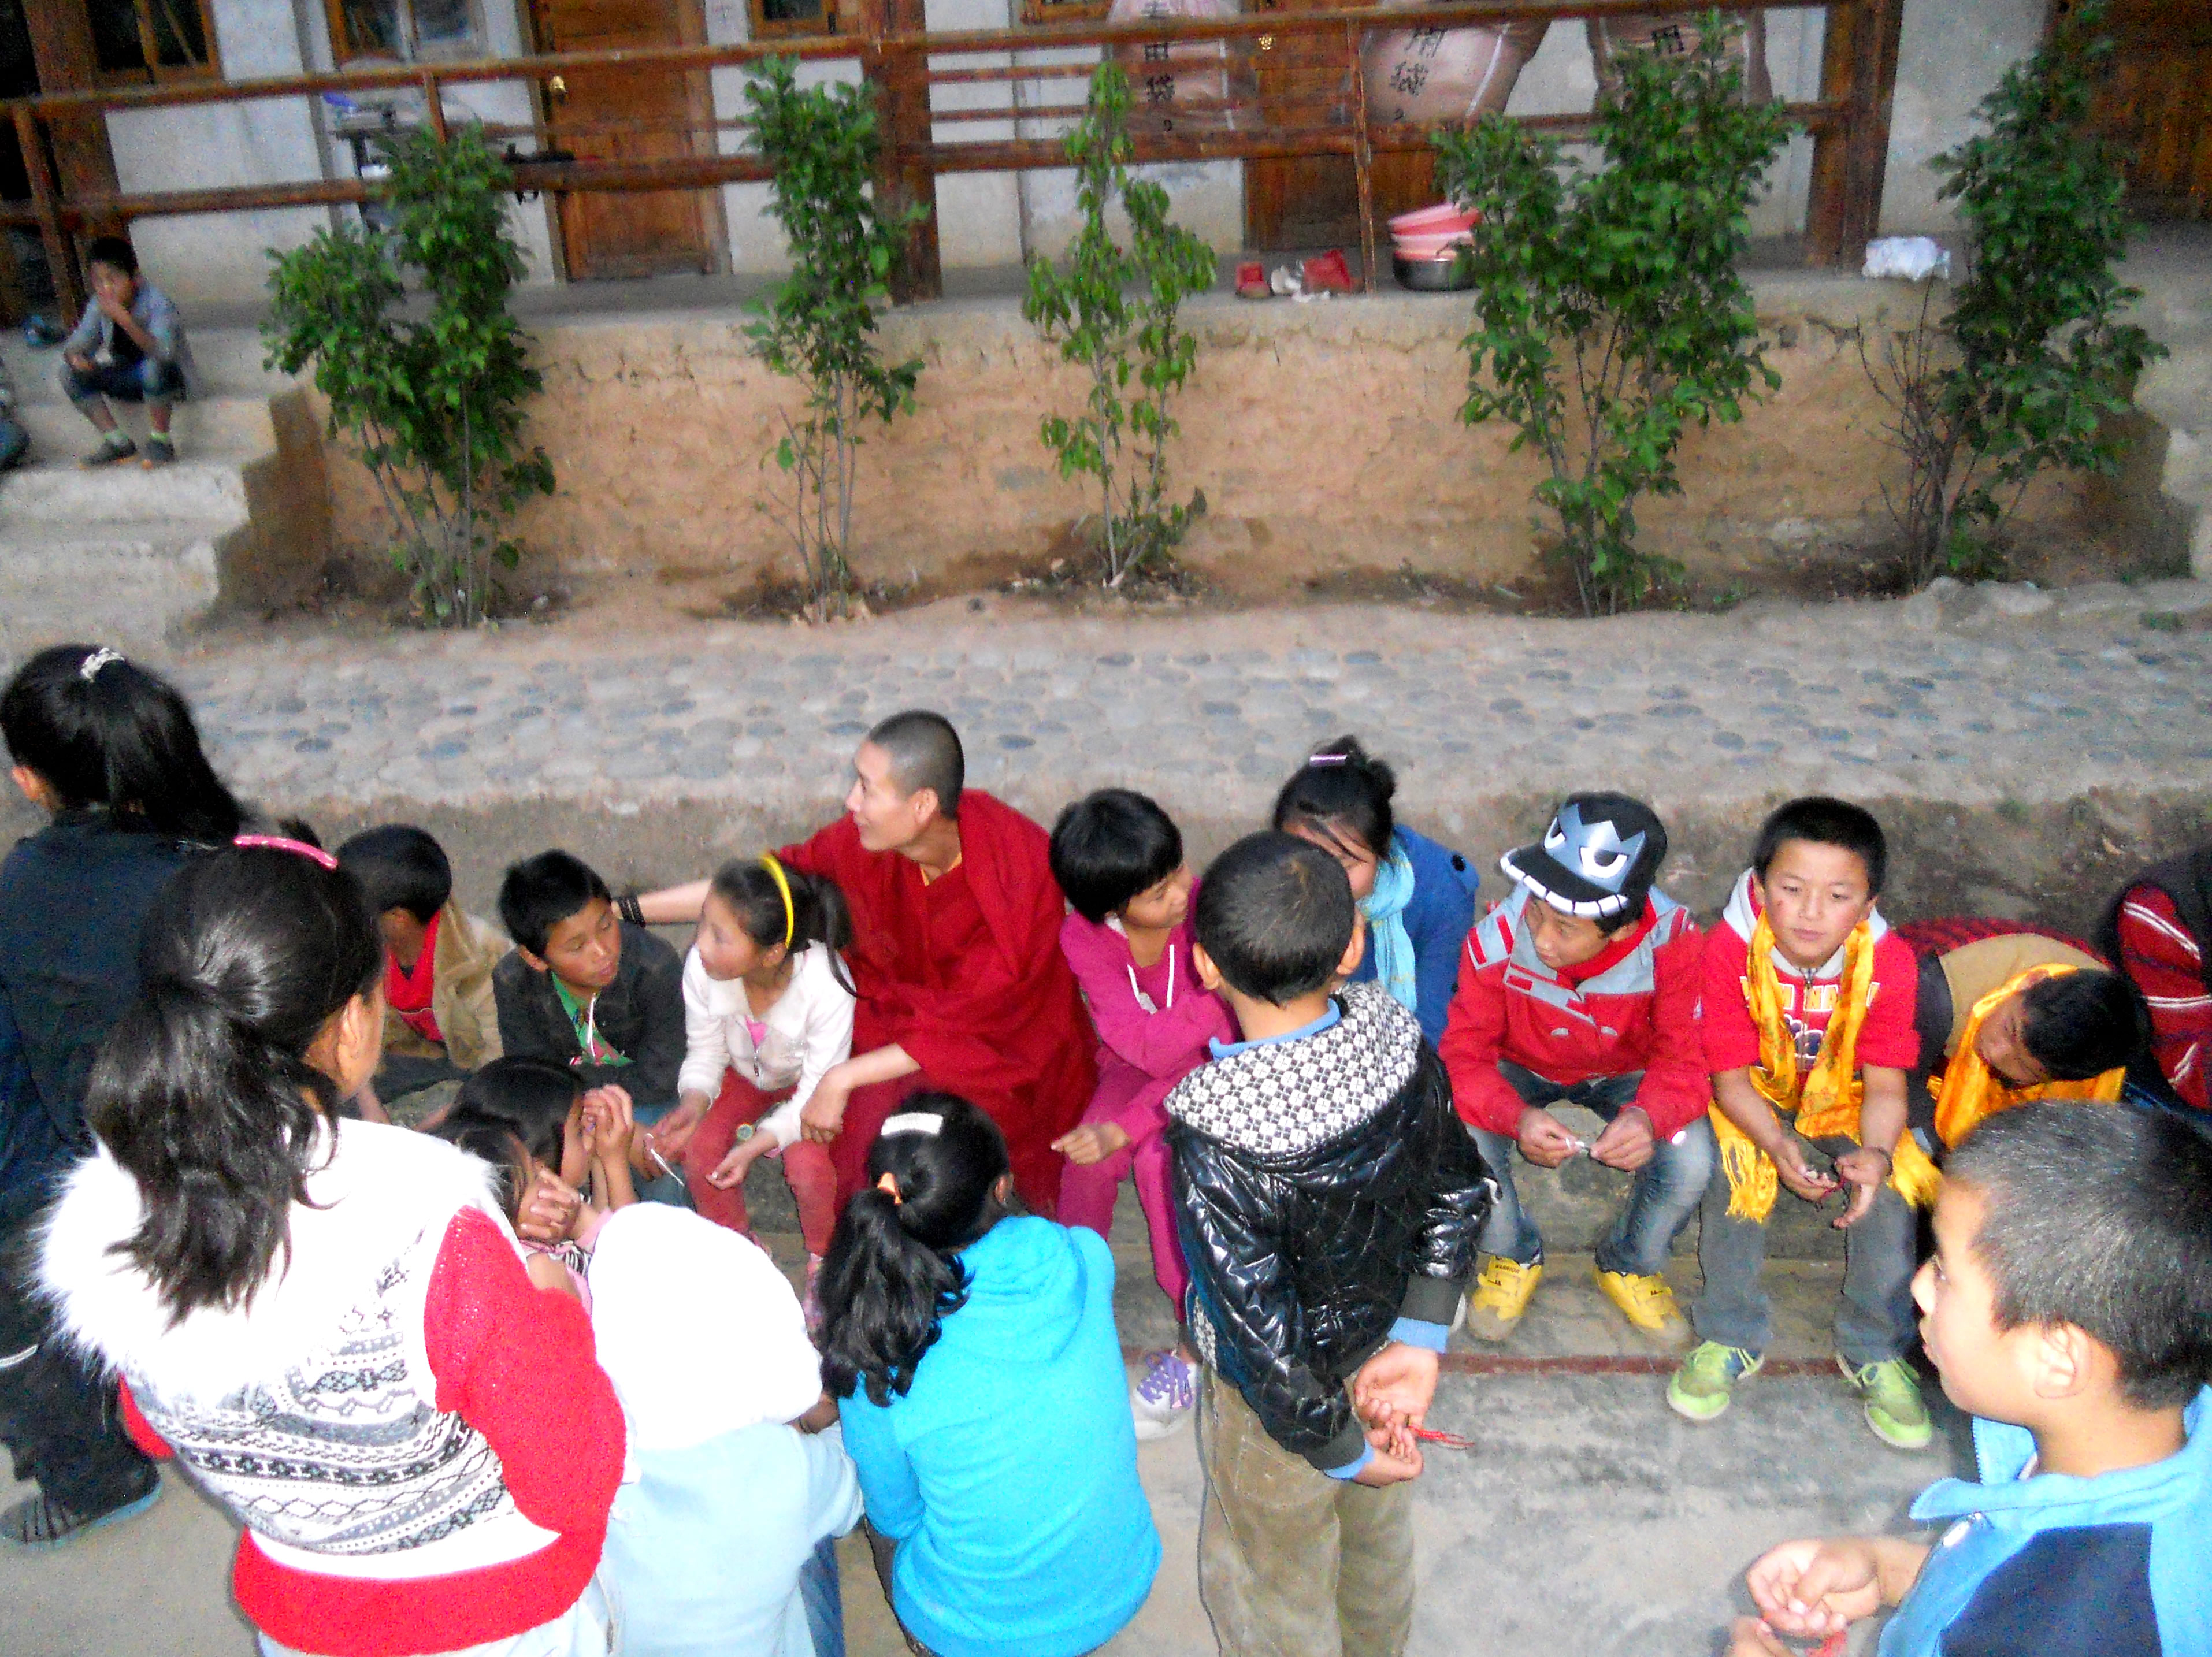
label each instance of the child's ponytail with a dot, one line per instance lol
(893, 1272)
(203, 1092)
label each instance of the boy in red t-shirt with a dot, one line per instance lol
(1807, 1008)
(1581, 987)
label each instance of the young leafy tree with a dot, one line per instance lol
(433, 406)
(2031, 363)
(1114, 311)
(820, 327)
(1609, 311)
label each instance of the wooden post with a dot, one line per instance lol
(1858, 67)
(61, 254)
(904, 179)
(1363, 161)
(434, 104)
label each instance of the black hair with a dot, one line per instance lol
(400, 867)
(494, 1142)
(202, 1091)
(103, 731)
(2101, 1217)
(1342, 790)
(925, 753)
(1276, 914)
(1825, 822)
(818, 913)
(531, 1097)
(893, 1273)
(115, 251)
(540, 893)
(1111, 847)
(2080, 1024)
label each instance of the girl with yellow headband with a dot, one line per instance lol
(767, 1009)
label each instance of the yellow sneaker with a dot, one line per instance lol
(1500, 1296)
(1649, 1303)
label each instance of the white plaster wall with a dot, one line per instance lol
(1952, 56)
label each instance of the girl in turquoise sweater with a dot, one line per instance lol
(983, 1397)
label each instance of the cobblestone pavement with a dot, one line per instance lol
(1963, 694)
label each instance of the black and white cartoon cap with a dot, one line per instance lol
(1598, 858)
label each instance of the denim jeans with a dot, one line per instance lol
(1874, 1318)
(148, 380)
(667, 1188)
(1663, 1194)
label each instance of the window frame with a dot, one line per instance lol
(153, 72)
(345, 50)
(766, 28)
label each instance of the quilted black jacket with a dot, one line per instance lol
(1324, 1189)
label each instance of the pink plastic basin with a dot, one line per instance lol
(1441, 218)
(1435, 246)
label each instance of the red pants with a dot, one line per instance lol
(806, 1166)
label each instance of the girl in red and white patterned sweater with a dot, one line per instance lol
(326, 1322)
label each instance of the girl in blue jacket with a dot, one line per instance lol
(1416, 897)
(984, 1399)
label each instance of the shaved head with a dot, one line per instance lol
(925, 752)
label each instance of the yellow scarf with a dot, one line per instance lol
(1827, 1101)
(1967, 1092)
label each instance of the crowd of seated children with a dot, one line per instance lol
(440, 1020)
(768, 1012)
(1119, 859)
(585, 989)
(2068, 1309)
(1583, 986)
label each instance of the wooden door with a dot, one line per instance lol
(1313, 202)
(613, 114)
(2157, 104)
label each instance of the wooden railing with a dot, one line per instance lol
(1849, 120)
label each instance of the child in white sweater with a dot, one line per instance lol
(768, 1009)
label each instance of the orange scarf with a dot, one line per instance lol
(1968, 1091)
(1826, 1099)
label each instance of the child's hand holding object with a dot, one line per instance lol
(550, 1209)
(1094, 1141)
(1395, 1388)
(730, 1172)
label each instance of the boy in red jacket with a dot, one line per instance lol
(1581, 986)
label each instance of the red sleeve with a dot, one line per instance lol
(1474, 1030)
(1676, 1086)
(1725, 1031)
(1888, 1038)
(518, 1364)
(142, 1432)
(2158, 953)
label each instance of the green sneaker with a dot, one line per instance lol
(1893, 1408)
(1700, 1388)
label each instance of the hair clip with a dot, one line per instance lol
(914, 1121)
(285, 843)
(1327, 759)
(88, 669)
(889, 1186)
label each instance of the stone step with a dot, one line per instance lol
(216, 428)
(129, 582)
(56, 496)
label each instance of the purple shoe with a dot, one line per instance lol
(1162, 1400)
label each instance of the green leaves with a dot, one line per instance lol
(819, 328)
(2033, 363)
(432, 403)
(1116, 311)
(1608, 314)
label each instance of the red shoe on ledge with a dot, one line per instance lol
(1328, 273)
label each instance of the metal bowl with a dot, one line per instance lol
(1432, 276)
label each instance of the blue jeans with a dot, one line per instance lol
(148, 380)
(1875, 1320)
(1661, 1196)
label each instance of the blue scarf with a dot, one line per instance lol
(1385, 909)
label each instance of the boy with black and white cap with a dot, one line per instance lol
(1581, 986)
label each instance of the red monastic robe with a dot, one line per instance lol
(965, 973)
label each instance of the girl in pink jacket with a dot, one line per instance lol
(1119, 859)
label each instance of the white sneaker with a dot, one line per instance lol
(1163, 1398)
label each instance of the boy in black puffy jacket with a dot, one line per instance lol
(1330, 1206)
